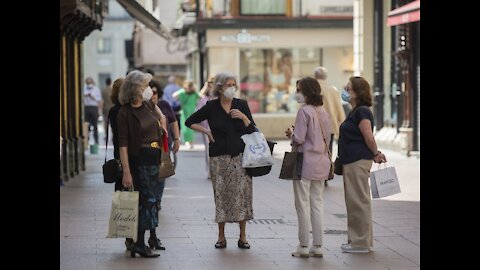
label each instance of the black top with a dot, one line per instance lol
(351, 144)
(112, 118)
(226, 131)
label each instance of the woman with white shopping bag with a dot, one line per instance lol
(356, 150)
(311, 134)
(229, 118)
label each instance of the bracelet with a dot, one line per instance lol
(378, 152)
(176, 139)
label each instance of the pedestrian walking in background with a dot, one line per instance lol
(107, 102)
(188, 99)
(229, 118)
(312, 129)
(92, 99)
(356, 150)
(139, 138)
(168, 91)
(331, 103)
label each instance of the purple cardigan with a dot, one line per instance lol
(311, 122)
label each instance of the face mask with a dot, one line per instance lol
(89, 85)
(345, 95)
(147, 93)
(229, 93)
(299, 97)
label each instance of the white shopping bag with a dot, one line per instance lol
(384, 182)
(256, 153)
(124, 215)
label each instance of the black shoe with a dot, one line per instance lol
(244, 245)
(221, 244)
(129, 243)
(155, 243)
(143, 251)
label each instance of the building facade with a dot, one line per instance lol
(269, 45)
(78, 18)
(105, 51)
(387, 54)
(155, 53)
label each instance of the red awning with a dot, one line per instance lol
(404, 14)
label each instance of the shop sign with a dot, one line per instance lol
(244, 37)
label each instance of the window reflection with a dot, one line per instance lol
(268, 76)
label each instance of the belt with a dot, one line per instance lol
(152, 145)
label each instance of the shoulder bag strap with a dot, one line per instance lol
(106, 143)
(324, 140)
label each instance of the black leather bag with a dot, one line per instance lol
(338, 167)
(292, 166)
(260, 171)
(112, 171)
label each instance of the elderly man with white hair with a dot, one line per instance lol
(331, 102)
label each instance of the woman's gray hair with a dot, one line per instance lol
(220, 80)
(132, 86)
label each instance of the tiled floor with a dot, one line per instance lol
(188, 230)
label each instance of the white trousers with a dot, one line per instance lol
(309, 205)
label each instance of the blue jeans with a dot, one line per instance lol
(159, 187)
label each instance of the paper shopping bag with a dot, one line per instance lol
(124, 215)
(384, 182)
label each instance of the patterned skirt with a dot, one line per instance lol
(232, 189)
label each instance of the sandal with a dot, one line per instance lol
(221, 244)
(244, 245)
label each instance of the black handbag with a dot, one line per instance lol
(112, 169)
(338, 167)
(292, 165)
(264, 170)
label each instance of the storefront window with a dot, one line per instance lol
(268, 77)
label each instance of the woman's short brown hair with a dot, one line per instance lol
(311, 90)
(116, 90)
(363, 91)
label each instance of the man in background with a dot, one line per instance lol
(331, 102)
(92, 100)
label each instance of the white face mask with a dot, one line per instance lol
(90, 85)
(299, 98)
(147, 93)
(229, 93)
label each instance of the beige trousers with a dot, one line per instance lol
(309, 205)
(358, 202)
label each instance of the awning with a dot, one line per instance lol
(141, 14)
(404, 14)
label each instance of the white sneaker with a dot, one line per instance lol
(350, 249)
(301, 252)
(316, 251)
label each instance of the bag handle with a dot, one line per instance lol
(325, 141)
(106, 142)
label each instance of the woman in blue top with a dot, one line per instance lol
(356, 150)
